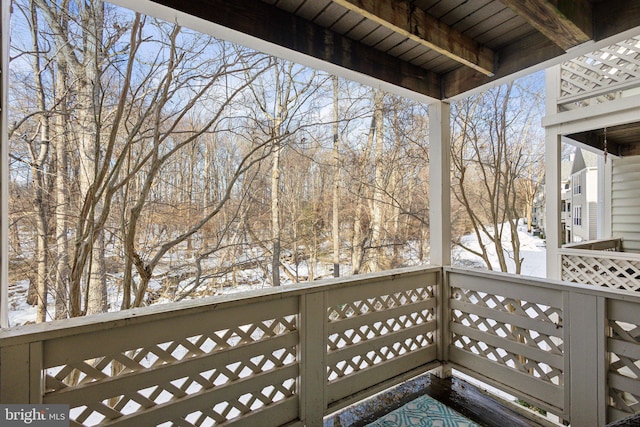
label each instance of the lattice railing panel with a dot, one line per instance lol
(365, 333)
(624, 367)
(614, 273)
(598, 75)
(143, 379)
(516, 334)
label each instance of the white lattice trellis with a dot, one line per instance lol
(368, 332)
(597, 76)
(601, 270)
(624, 367)
(491, 329)
(150, 378)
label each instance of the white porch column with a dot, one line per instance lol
(604, 197)
(440, 183)
(5, 10)
(552, 178)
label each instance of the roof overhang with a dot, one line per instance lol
(427, 49)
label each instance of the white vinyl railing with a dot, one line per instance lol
(272, 357)
(294, 355)
(573, 350)
(599, 263)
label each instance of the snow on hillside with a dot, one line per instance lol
(532, 249)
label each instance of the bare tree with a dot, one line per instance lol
(490, 163)
(335, 217)
(281, 102)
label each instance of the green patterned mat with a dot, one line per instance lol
(424, 411)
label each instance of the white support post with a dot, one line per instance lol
(552, 180)
(586, 364)
(552, 201)
(440, 183)
(5, 12)
(312, 357)
(21, 373)
(443, 337)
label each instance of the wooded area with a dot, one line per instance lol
(157, 163)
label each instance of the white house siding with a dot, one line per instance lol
(625, 202)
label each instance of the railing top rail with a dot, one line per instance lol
(629, 256)
(612, 243)
(78, 325)
(546, 283)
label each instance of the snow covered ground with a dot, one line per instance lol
(532, 250)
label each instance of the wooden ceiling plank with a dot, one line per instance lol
(567, 23)
(615, 16)
(417, 25)
(309, 10)
(269, 23)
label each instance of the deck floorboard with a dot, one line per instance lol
(475, 404)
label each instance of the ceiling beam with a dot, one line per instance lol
(402, 17)
(263, 21)
(567, 23)
(531, 51)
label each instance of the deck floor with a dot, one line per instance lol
(475, 404)
(464, 398)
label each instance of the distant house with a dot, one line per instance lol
(539, 204)
(579, 205)
(538, 211)
(565, 202)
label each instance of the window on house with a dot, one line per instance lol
(577, 184)
(577, 215)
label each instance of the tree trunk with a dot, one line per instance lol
(359, 238)
(376, 212)
(39, 152)
(275, 214)
(88, 106)
(97, 290)
(62, 202)
(335, 223)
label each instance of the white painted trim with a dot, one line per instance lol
(579, 119)
(613, 255)
(440, 183)
(5, 13)
(552, 89)
(619, 87)
(585, 147)
(552, 200)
